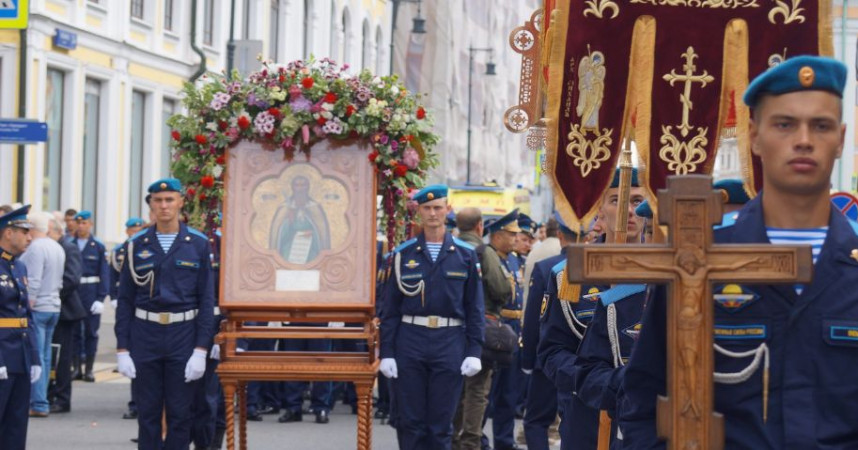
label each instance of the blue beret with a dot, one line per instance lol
(134, 222)
(802, 73)
(563, 227)
(733, 191)
(527, 224)
(615, 183)
(450, 221)
(508, 222)
(644, 210)
(83, 215)
(165, 185)
(430, 193)
(16, 218)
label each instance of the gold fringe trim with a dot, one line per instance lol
(826, 34)
(639, 95)
(547, 42)
(567, 291)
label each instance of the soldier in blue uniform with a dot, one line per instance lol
(93, 290)
(19, 357)
(541, 408)
(164, 318)
(431, 326)
(806, 332)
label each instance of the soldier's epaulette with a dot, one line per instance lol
(405, 245)
(138, 234)
(620, 292)
(198, 233)
(558, 268)
(98, 241)
(853, 224)
(728, 220)
(118, 247)
(462, 243)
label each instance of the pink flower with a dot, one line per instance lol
(410, 158)
(232, 133)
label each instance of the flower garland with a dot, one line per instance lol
(290, 108)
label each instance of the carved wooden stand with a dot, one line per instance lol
(236, 369)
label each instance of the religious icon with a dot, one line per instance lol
(300, 226)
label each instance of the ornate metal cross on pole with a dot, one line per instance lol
(689, 263)
(688, 77)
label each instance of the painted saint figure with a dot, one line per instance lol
(300, 229)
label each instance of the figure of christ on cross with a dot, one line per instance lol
(689, 263)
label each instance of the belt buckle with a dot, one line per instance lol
(433, 321)
(23, 322)
(164, 318)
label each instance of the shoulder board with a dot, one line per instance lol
(386, 255)
(198, 233)
(217, 233)
(462, 243)
(405, 245)
(118, 247)
(620, 292)
(98, 241)
(728, 220)
(559, 267)
(853, 224)
(138, 234)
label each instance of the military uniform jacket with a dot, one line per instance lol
(94, 256)
(182, 281)
(813, 346)
(497, 281)
(18, 349)
(117, 258)
(537, 290)
(515, 266)
(451, 288)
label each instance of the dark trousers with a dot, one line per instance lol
(61, 389)
(506, 383)
(206, 395)
(14, 411)
(264, 393)
(293, 391)
(383, 404)
(429, 385)
(540, 412)
(86, 341)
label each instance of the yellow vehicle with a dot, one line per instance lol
(494, 201)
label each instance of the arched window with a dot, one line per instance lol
(308, 28)
(366, 46)
(379, 51)
(347, 37)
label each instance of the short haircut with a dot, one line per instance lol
(551, 227)
(71, 212)
(468, 219)
(5, 209)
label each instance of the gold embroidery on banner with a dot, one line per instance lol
(712, 4)
(683, 157)
(599, 7)
(589, 152)
(790, 12)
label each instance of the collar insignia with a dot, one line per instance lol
(6, 256)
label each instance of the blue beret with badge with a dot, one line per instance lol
(450, 221)
(134, 222)
(83, 215)
(527, 224)
(429, 193)
(644, 210)
(165, 185)
(16, 218)
(615, 183)
(732, 190)
(563, 227)
(508, 222)
(802, 73)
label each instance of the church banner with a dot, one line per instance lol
(663, 73)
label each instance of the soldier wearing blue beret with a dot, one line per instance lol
(19, 356)
(94, 290)
(644, 211)
(733, 192)
(431, 325)
(164, 318)
(806, 333)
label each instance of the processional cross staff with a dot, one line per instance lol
(689, 263)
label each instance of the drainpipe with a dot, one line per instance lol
(843, 20)
(196, 49)
(22, 110)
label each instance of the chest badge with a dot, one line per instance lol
(633, 331)
(592, 295)
(145, 254)
(544, 305)
(412, 264)
(854, 254)
(734, 297)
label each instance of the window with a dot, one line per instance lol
(55, 106)
(248, 14)
(379, 51)
(208, 22)
(91, 121)
(366, 46)
(135, 163)
(136, 9)
(167, 111)
(274, 29)
(168, 15)
(308, 28)
(347, 31)
(333, 51)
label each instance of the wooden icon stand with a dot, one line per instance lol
(298, 246)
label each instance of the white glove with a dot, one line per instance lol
(196, 366)
(527, 371)
(388, 368)
(113, 303)
(126, 365)
(215, 353)
(4, 374)
(336, 324)
(35, 373)
(96, 308)
(471, 366)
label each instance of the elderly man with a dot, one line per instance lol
(44, 259)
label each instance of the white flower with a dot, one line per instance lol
(217, 171)
(394, 90)
(211, 126)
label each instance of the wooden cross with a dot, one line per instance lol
(688, 77)
(689, 263)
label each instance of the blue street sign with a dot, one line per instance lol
(65, 39)
(22, 131)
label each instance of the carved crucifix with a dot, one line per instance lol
(689, 263)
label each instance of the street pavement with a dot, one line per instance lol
(95, 421)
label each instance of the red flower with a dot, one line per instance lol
(222, 125)
(307, 82)
(243, 122)
(192, 192)
(202, 197)
(400, 170)
(330, 97)
(274, 112)
(208, 181)
(176, 135)
(282, 78)
(321, 121)
(221, 160)
(421, 113)
(201, 139)
(353, 134)
(350, 109)
(373, 156)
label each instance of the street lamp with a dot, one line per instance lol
(418, 26)
(490, 70)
